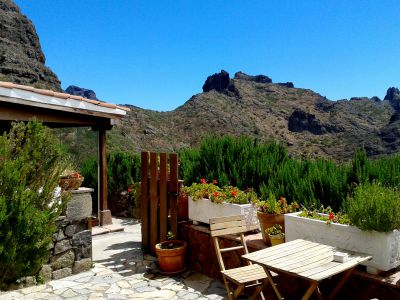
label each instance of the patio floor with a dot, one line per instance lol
(122, 272)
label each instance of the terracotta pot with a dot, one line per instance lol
(267, 221)
(171, 261)
(276, 239)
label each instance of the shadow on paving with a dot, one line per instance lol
(127, 262)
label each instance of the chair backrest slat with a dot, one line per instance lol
(227, 225)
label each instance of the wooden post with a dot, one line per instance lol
(105, 214)
(144, 205)
(163, 197)
(153, 202)
(173, 189)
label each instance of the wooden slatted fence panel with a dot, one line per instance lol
(159, 196)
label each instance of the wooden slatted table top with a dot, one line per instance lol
(309, 260)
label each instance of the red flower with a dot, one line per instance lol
(331, 216)
(129, 190)
(234, 193)
(215, 194)
(203, 181)
(215, 181)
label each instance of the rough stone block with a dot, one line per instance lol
(82, 265)
(70, 230)
(59, 236)
(82, 242)
(80, 205)
(62, 273)
(63, 260)
(45, 272)
(62, 246)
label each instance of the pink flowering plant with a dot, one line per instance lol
(212, 191)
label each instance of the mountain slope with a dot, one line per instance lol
(308, 123)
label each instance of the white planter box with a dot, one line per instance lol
(384, 247)
(203, 210)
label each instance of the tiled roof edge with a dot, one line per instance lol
(10, 85)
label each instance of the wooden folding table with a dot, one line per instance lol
(311, 261)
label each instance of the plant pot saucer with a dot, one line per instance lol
(172, 273)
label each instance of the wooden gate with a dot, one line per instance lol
(159, 195)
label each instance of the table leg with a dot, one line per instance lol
(341, 282)
(310, 290)
(273, 284)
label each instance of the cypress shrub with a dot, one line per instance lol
(30, 166)
(123, 169)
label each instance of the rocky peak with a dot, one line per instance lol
(21, 58)
(218, 81)
(257, 78)
(78, 91)
(393, 95)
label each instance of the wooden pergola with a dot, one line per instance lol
(58, 110)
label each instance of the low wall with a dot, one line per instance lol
(71, 249)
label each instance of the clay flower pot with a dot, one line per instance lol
(171, 256)
(267, 221)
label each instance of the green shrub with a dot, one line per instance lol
(123, 169)
(31, 162)
(374, 207)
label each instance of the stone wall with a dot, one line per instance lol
(71, 249)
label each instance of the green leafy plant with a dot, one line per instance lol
(31, 163)
(326, 215)
(273, 206)
(275, 230)
(374, 207)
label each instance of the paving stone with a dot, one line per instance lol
(61, 284)
(140, 284)
(33, 289)
(154, 295)
(123, 284)
(143, 289)
(62, 273)
(114, 288)
(116, 296)
(69, 293)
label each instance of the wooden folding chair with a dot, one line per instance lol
(251, 275)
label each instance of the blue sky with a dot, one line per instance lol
(157, 54)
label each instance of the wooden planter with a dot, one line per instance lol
(384, 247)
(203, 210)
(171, 261)
(267, 221)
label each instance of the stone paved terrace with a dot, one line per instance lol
(122, 272)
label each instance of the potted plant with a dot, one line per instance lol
(171, 255)
(371, 225)
(208, 200)
(70, 180)
(275, 234)
(271, 212)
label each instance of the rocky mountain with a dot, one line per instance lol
(308, 123)
(21, 58)
(78, 91)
